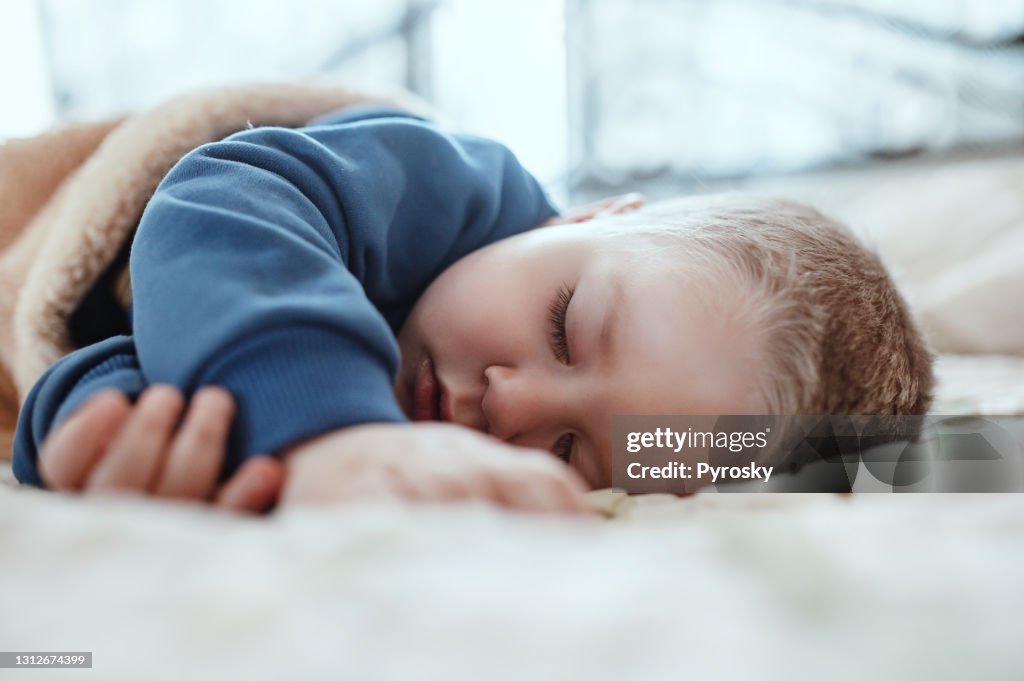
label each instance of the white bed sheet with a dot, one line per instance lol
(712, 587)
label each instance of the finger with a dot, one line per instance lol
(624, 204)
(134, 457)
(254, 487)
(521, 494)
(352, 486)
(572, 491)
(539, 486)
(443, 484)
(376, 484)
(571, 484)
(610, 206)
(197, 453)
(69, 453)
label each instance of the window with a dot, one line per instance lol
(596, 96)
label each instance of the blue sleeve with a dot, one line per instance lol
(279, 263)
(63, 388)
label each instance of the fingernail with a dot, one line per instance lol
(211, 398)
(164, 394)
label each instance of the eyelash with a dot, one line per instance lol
(563, 447)
(558, 309)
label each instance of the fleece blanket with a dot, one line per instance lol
(70, 198)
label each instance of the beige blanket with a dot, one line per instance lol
(69, 199)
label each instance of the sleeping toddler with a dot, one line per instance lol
(371, 308)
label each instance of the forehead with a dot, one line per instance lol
(679, 343)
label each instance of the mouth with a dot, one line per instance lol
(428, 395)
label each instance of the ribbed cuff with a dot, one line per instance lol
(292, 384)
(64, 387)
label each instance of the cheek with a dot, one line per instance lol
(453, 311)
(481, 310)
(474, 325)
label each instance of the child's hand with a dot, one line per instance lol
(111, 445)
(429, 462)
(613, 205)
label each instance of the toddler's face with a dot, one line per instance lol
(541, 338)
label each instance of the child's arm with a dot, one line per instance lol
(279, 264)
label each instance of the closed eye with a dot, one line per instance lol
(564, 446)
(558, 309)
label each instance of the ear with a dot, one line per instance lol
(603, 208)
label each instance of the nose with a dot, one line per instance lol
(525, 407)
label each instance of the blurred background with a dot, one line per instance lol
(596, 96)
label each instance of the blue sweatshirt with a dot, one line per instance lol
(280, 263)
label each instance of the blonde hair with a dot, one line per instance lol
(834, 334)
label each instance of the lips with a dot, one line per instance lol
(428, 395)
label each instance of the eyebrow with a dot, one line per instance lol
(606, 346)
(606, 341)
